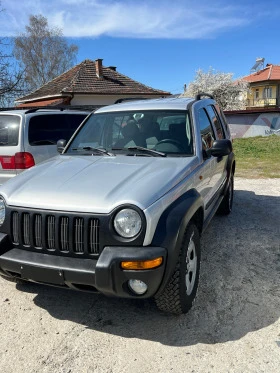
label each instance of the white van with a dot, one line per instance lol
(28, 137)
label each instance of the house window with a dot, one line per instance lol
(267, 92)
(257, 94)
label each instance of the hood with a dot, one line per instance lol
(95, 184)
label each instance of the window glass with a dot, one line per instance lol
(223, 118)
(166, 131)
(206, 131)
(9, 130)
(267, 92)
(48, 129)
(216, 121)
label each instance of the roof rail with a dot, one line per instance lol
(199, 95)
(42, 108)
(129, 99)
(51, 108)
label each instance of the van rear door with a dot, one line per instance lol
(10, 145)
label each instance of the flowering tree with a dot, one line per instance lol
(230, 94)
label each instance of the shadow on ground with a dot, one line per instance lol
(239, 286)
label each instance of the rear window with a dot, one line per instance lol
(48, 129)
(9, 130)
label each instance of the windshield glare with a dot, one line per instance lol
(164, 131)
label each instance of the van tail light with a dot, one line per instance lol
(19, 161)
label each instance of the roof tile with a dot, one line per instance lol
(82, 78)
(270, 72)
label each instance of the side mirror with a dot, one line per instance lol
(221, 148)
(61, 145)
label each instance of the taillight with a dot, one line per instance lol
(19, 161)
(7, 162)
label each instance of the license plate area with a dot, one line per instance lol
(41, 274)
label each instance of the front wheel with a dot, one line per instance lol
(180, 292)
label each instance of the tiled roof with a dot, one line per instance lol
(51, 102)
(270, 72)
(83, 79)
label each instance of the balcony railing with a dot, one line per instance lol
(262, 102)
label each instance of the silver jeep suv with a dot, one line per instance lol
(122, 209)
(28, 137)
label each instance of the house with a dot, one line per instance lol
(265, 87)
(88, 84)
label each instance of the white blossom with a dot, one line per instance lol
(230, 94)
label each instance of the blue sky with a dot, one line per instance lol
(158, 42)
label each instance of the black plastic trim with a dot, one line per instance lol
(199, 95)
(103, 275)
(120, 100)
(172, 225)
(107, 235)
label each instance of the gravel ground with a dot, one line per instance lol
(234, 325)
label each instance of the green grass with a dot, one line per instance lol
(257, 157)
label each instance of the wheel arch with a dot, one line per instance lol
(172, 225)
(230, 169)
(231, 165)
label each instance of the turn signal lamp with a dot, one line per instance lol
(145, 264)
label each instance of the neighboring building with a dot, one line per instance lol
(265, 87)
(88, 84)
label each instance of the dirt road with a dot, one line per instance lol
(233, 327)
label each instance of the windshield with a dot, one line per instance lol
(145, 133)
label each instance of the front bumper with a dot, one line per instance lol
(103, 275)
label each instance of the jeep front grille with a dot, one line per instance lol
(56, 233)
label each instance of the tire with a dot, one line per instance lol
(180, 292)
(225, 207)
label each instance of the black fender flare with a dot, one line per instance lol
(230, 170)
(172, 225)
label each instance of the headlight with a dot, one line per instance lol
(127, 223)
(2, 211)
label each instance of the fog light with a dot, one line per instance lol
(137, 286)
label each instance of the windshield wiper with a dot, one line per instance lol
(151, 152)
(95, 150)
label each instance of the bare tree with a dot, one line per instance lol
(10, 75)
(43, 52)
(230, 94)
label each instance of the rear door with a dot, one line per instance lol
(212, 172)
(10, 144)
(220, 173)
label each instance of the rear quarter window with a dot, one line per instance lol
(9, 130)
(48, 129)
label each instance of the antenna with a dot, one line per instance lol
(259, 65)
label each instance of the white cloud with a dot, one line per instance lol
(126, 18)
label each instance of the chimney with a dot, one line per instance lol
(112, 68)
(98, 67)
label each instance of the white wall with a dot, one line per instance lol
(254, 124)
